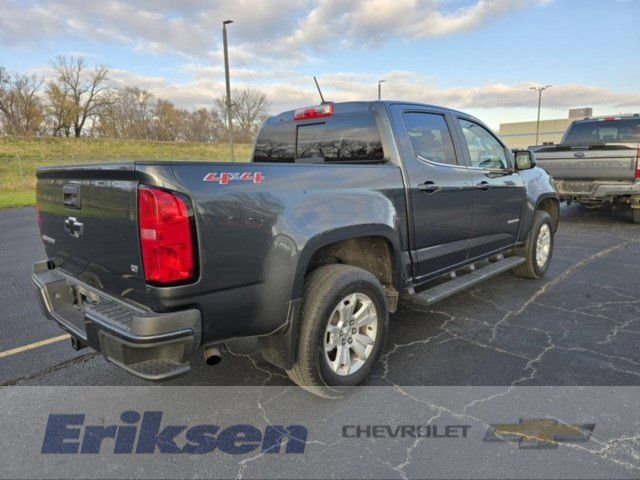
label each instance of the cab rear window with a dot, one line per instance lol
(605, 131)
(345, 138)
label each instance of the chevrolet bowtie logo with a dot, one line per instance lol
(74, 227)
(539, 433)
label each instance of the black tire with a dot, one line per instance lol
(531, 269)
(324, 289)
(635, 212)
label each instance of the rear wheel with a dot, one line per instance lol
(636, 215)
(344, 325)
(538, 249)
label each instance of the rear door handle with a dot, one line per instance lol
(429, 187)
(484, 185)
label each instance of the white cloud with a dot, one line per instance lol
(372, 21)
(285, 30)
(272, 38)
(18, 23)
(289, 89)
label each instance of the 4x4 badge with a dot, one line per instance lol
(225, 178)
(74, 227)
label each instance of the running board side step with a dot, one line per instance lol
(462, 282)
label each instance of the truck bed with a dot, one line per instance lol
(251, 219)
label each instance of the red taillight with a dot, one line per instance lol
(638, 165)
(324, 110)
(166, 236)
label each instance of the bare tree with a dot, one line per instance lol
(130, 114)
(248, 108)
(127, 114)
(167, 121)
(79, 101)
(59, 109)
(85, 89)
(20, 103)
(196, 126)
(202, 125)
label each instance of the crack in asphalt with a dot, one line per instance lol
(559, 279)
(532, 363)
(632, 450)
(242, 465)
(626, 446)
(54, 368)
(607, 450)
(623, 451)
(447, 333)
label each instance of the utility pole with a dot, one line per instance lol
(380, 82)
(539, 90)
(226, 77)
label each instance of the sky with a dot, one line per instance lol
(479, 56)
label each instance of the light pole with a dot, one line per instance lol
(539, 89)
(226, 77)
(380, 82)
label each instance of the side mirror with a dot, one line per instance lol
(525, 159)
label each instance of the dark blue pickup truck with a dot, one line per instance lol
(343, 209)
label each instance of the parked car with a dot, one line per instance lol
(597, 162)
(343, 208)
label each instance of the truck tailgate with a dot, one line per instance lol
(609, 162)
(88, 222)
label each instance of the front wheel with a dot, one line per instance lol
(538, 249)
(344, 325)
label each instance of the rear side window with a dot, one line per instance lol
(430, 137)
(349, 138)
(612, 131)
(346, 138)
(275, 143)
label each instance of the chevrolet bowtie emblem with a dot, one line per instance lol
(539, 433)
(74, 227)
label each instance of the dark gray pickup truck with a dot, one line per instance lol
(344, 208)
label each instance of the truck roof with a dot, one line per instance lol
(362, 106)
(608, 117)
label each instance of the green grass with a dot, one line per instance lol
(17, 189)
(17, 198)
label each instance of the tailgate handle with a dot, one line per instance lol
(71, 196)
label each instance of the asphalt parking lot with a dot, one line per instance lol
(580, 325)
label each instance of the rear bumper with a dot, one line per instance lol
(153, 346)
(595, 191)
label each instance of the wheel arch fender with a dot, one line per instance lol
(354, 232)
(282, 349)
(540, 192)
(548, 202)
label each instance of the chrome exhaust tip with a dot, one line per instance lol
(212, 355)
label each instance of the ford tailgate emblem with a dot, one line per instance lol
(74, 227)
(579, 154)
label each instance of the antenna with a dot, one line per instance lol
(318, 86)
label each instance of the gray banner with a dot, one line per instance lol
(278, 432)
